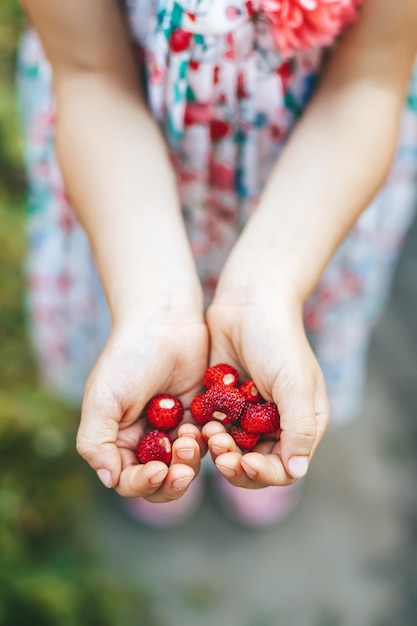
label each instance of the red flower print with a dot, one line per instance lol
(250, 8)
(241, 90)
(302, 24)
(285, 73)
(219, 129)
(179, 40)
(230, 52)
(196, 113)
(221, 175)
(194, 65)
(216, 74)
(275, 132)
(232, 12)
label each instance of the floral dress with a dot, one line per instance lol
(227, 80)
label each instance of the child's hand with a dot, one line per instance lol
(143, 358)
(262, 335)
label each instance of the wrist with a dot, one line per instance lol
(178, 300)
(262, 274)
(252, 291)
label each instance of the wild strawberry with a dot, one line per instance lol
(197, 411)
(245, 441)
(154, 446)
(164, 411)
(250, 392)
(221, 374)
(261, 419)
(223, 403)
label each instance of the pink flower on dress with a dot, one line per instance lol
(301, 24)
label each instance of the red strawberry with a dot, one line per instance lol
(179, 40)
(223, 403)
(221, 374)
(262, 419)
(245, 441)
(164, 411)
(250, 392)
(197, 411)
(154, 446)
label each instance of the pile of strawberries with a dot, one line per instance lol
(240, 408)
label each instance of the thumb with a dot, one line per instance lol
(97, 435)
(303, 419)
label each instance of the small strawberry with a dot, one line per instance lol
(221, 374)
(245, 441)
(222, 403)
(250, 392)
(197, 411)
(164, 411)
(262, 419)
(154, 446)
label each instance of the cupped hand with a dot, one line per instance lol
(162, 353)
(263, 337)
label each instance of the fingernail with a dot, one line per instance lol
(158, 478)
(298, 466)
(182, 483)
(105, 477)
(185, 454)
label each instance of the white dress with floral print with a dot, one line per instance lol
(226, 100)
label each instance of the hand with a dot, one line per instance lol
(263, 337)
(164, 352)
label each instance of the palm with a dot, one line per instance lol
(268, 344)
(137, 363)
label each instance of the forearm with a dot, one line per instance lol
(336, 159)
(120, 180)
(331, 169)
(113, 158)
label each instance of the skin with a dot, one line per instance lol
(160, 341)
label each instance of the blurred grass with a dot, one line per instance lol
(51, 573)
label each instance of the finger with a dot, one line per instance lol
(229, 465)
(191, 430)
(322, 409)
(222, 443)
(212, 428)
(176, 483)
(141, 480)
(265, 470)
(97, 434)
(253, 470)
(295, 397)
(186, 451)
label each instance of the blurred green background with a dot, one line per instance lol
(51, 570)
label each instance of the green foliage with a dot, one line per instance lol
(50, 570)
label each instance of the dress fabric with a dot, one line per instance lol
(226, 100)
